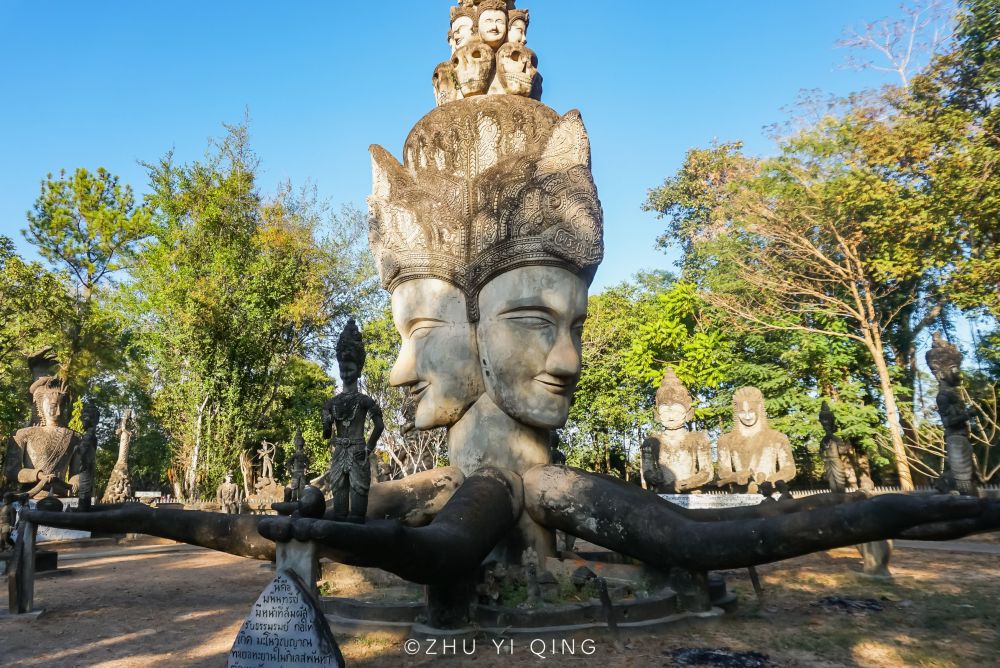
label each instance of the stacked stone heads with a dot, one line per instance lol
(489, 182)
(488, 53)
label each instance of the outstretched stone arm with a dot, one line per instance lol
(480, 513)
(413, 501)
(235, 534)
(630, 520)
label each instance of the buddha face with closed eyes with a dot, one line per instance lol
(529, 335)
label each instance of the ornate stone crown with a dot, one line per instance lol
(488, 184)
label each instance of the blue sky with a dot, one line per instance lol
(112, 83)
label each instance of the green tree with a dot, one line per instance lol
(230, 296)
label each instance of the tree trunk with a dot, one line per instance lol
(191, 479)
(874, 344)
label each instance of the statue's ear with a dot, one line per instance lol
(569, 145)
(387, 174)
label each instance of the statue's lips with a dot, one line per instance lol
(555, 386)
(417, 390)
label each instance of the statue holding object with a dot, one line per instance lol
(39, 457)
(844, 467)
(344, 418)
(675, 460)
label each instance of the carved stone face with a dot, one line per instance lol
(49, 408)
(672, 416)
(828, 422)
(444, 83)
(461, 31)
(748, 413)
(516, 69)
(531, 320)
(948, 374)
(518, 32)
(493, 27)
(474, 65)
(437, 362)
(349, 372)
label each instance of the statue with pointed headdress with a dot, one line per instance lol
(344, 418)
(38, 457)
(675, 460)
(945, 361)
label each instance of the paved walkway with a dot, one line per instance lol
(949, 546)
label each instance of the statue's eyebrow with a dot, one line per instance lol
(409, 324)
(526, 304)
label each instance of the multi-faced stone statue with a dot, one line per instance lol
(492, 22)
(753, 452)
(228, 495)
(495, 198)
(945, 361)
(676, 460)
(344, 419)
(38, 457)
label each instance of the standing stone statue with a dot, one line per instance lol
(38, 457)
(85, 458)
(8, 518)
(228, 495)
(753, 452)
(266, 453)
(297, 465)
(344, 424)
(675, 460)
(945, 361)
(119, 487)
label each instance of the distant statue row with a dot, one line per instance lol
(677, 460)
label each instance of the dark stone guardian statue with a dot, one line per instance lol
(344, 424)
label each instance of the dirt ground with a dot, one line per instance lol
(184, 608)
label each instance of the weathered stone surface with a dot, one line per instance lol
(753, 452)
(945, 361)
(119, 487)
(286, 628)
(344, 418)
(486, 186)
(38, 457)
(228, 495)
(489, 56)
(675, 460)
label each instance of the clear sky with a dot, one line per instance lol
(112, 83)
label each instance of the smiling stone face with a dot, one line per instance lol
(437, 361)
(531, 321)
(493, 26)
